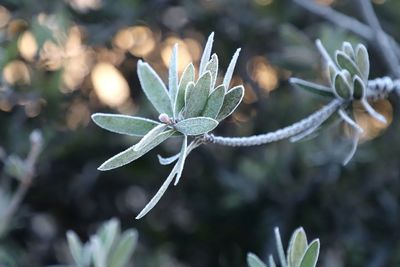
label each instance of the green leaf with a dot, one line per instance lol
(154, 88)
(181, 160)
(187, 77)
(342, 88)
(362, 61)
(254, 261)
(123, 124)
(75, 247)
(332, 71)
(310, 257)
(297, 248)
(347, 48)
(173, 75)
(150, 136)
(214, 102)
(212, 66)
(196, 126)
(205, 57)
(359, 88)
(124, 249)
(231, 68)
(231, 102)
(196, 96)
(311, 87)
(129, 155)
(345, 62)
(108, 233)
(99, 256)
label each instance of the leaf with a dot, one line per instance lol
(310, 257)
(332, 71)
(150, 136)
(342, 88)
(196, 96)
(187, 77)
(196, 126)
(98, 253)
(359, 88)
(297, 247)
(231, 68)
(123, 124)
(345, 62)
(254, 261)
(124, 249)
(212, 66)
(108, 233)
(271, 261)
(181, 160)
(311, 87)
(214, 102)
(348, 49)
(154, 88)
(75, 247)
(362, 61)
(129, 155)
(231, 102)
(205, 57)
(167, 161)
(279, 247)
(173, 75)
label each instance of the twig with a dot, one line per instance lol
(380, 37)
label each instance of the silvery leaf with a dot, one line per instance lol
(279, 247)
(75, 247)
(359, 88)
(229, 71)
(196, 126)
(332, 71)
(123, 250)
(205, 57)
(167, 161)
(98, 253)
(214, 102)
(173, 75)
(311, 87)
(297, 247)
(254, 261)
(196, 96)
(129, 155)
(362, 61)
(187, 77)
(348, 50)
(310, 257)
(373, 112)
(231, 102)
(271, 261)
(150, 136)
(353, 150)
(154, 88)
(181, 160)
(212, 66)
(108, 233)
(123, 124)
(345, 62)
(342, 88)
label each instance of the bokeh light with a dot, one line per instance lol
(27, 46)
(16, 72)
(261, 72)
(4, 16)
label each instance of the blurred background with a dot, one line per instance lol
(61, 61)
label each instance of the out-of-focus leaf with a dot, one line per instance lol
(214, 102)
(196, 96)
(150, 136)
(359, 88)
(345, 62)
(362, 61)
(254, 261)
(99, 256)
(348, 50)
(154, 88)
(310, 257)
(123, 124)
(108, 233)
(212, 66)
(196, 126)
(342, 88)
(75, 247)
(123, 249)
(312, 87)
(231, 102)
(205, 57)
(187, 77)
(231, 68)
(15, 167)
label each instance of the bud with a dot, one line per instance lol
(164, 118)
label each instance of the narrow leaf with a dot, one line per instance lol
(75, 247)
(129, 155)
(297, 247)
(231, 102)
(196, 126)
(311, 87)
(362, 61)
(123, 124)
(353, 150)
(254, 261)
(154, 88)
(150, 136)
(212, 66)
(181, 160)
(173, 76)
(231, 68)
(374, 114)
(310, 257)
(124, 249)
(271, 261)
(205, 57)
(345, 62)
(167, 161)
(196, 96)
(279, 247)
(214, 102)
(187, 77)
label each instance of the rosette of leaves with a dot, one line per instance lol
(188, 108)
(300, 252)
(348, 77)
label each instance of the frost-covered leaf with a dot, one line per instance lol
(154, 88)
(342, 88)
(214, 102)
(187, 77)
(123, 124)
(254, 261)
(124, 249)
(150, 136)
(362, 61)
(196, 96)
(231, 102)
(297, 246)
(75, 247)
(196, 126)
(310, 257)
(167, 161)
(181, 160)
(348, 50)
(205, 57)
(312, 87)
(212, 67)
(345, 62)
(129, 155)
(173, 75)
(231, 68)
(359, 88)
